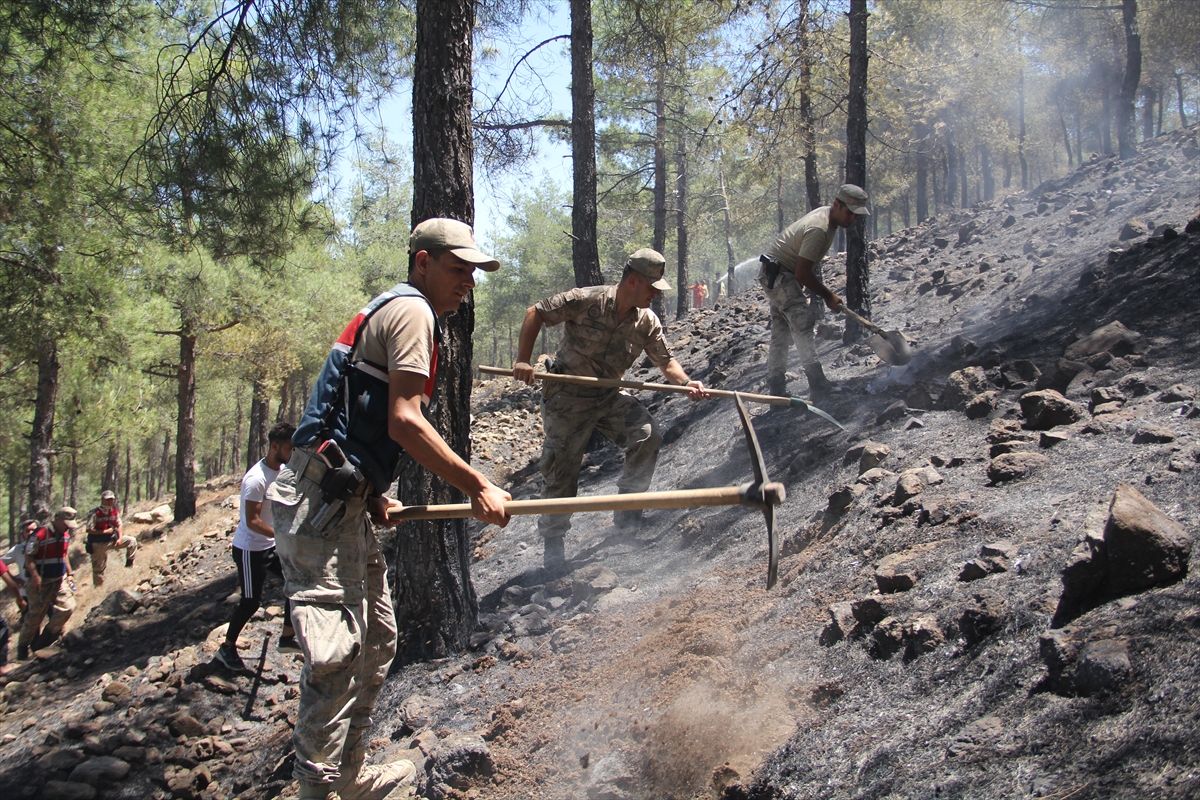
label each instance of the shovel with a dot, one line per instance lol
(890, 346)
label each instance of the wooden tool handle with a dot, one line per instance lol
(773, 493)
(612, 383)
(866, 323)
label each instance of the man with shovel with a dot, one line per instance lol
(606, 329)
(788, 267)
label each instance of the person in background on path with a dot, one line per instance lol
(606, 329)
(698, 292)
(5, 633)
(104, 534)
(366, 410)
(51, 582)
(788, 267)
(14, 557)
(254, 547)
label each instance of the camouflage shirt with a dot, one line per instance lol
(595, 343)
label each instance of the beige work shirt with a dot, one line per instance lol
(595, 343)
(400, 337)
(808, 237)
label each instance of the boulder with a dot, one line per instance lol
(895, 411)
(1015, 466)
(974, 570)
(1154, 434)
(982, 404)
(910, 484)
(870, 610)
(465, 755)
(1060, 374)
(1133, 229)
(845, 497)
(987, 614)
(613, 778)
(60, 758)
(116, 692)
(182, 723)
(895, 578)
(1048, 409)
(873, 454)
(1179, 393)
(1101, 664)
(963, 385)
(841, 622)
(1145, 547)
(887, 639)
(103, 768)
(1114, 338)
(922, 635)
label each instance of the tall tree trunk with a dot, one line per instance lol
(1179, 96)
(1021, 134)
(1126, 133)
(1106, 110)
(235, 456)
(162, 466)
(585, 254)
(128, 476)
(730, 289)
(41, 487)
(985, 166)
(1007, 171)
(780, 220)
(1148, 114)
(681, 230)
(807, 126)
(185, 433)
(660, 168)
(922, 190)
(858, 275)
(436, 606)
(951, 167)
(72, 495)
(962, 177)
(256, 439)
(111, 479)
(1066, 137)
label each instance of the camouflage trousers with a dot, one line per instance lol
(100, 551)
(568, 417)
(336, 579)
(792, 321)
(56, 600)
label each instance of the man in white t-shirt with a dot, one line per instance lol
(254, 547)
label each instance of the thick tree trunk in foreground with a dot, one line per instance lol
(585, 255)
(858, 275)
(436, 607)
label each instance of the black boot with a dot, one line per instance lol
(554, 556)
(818, 385)
(777, 385)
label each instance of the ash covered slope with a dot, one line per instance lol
(942, 687)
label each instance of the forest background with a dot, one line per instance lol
(149, 304)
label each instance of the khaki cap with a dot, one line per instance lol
(108, 494)
(440, 233)
(69, 516)
(651, 264)
(853, 198)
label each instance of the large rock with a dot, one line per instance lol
(1048, 409)
(1058, 376)
(987, 614)
(1146, 548)
(120, 603)
(841, 622)
(1102, 664)
(182, 723)
(982, 404)
(1014, 466)
(465, 755)
(873, 454)
(612, 778)
(1113, 338)
(962, 386)
(103, 768)
(922, 635)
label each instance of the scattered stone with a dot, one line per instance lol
(975, 737)
(1048, 409)
(60, 758)
(116, 692)
(963, 385)
(1015, 466)
(1060, 375)
(1006, 550)
(119, 603)
(1104, 395)
(1020, 374)
(1114, 338)
(1179, 393)
(102, 768)
(612, 778)
(872, 455)
(982, 404)
(845, 497)
(887, 639)
(974, 570)
(458, 757)
(841, 622)
(1133, 229)
(1153, 434)
(1101, 665)
(1145, 547)
(1049, 439)
(987, 614)
(910, 484)
(895, 578)
(183, 724)
(922, 635)
(869, 611)
(873, 476)
(895, 411)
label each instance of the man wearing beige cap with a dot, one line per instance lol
(606, 329)
(788, 267)
(364, 412)
(50, 579)
(104, 534)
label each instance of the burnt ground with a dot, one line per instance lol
(662, 667)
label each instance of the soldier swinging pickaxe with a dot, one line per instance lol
(760, 493)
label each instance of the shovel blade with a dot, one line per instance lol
(891, 347)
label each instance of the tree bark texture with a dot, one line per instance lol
(922, 158)
(808, 135)
(41, 488)
(985, 166)
(111, 478)
(730, 288)
(858, 275)
(585, 253)
(185, 431)
(681, 231)
(436, 607)
(256, 438)
(660, 170)
(1021, 134)
(1126, 126)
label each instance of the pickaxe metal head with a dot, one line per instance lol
(762, 493)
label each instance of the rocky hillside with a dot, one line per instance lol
(984, 591)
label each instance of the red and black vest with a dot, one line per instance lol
(46, 551)
(104, 523)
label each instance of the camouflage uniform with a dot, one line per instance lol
(336, 579)
(596, 344)
(792, 315)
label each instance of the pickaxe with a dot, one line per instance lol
(760, 493)
(612, 383)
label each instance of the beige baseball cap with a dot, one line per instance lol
(69, 516)
(853, 198)
(440, 233)
(651, 264)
